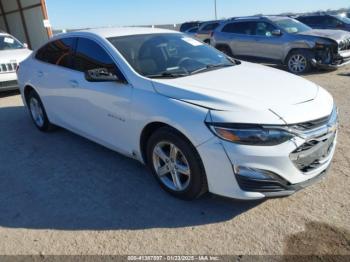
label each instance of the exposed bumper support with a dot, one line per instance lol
(338, 61)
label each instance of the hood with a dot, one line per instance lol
(336, 35)
(18, 55)
(247, 87)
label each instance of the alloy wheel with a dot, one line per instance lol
(171, 166)
(297, 63)
(37, 112)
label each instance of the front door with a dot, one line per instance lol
(97, 110)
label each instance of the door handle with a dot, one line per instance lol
(40, 73)
(74, 83)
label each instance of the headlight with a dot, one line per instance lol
(252, 135)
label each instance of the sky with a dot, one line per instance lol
(65, 14)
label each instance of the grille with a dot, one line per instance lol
(306, 126)
(8, 67)
(312, 154)
(320, 140)
(8, 84)
(344, 45)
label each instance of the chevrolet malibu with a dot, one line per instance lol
(200, 120)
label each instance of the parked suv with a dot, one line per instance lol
(205, 31)
(326, 21)
(12, 52)
(283, 40)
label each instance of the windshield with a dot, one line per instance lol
(8, 43)
(292, 26)
(169, 55)
(344, 19)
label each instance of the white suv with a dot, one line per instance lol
(12, 52)
(200, 120)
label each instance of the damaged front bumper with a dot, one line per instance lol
(337, 60)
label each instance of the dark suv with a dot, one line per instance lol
(326, 21)
(188, 25)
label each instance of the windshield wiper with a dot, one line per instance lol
(168, 75)
(210, 67)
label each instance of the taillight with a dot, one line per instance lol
(211, 33)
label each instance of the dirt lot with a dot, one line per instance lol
(61, 194)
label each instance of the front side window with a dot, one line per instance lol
(333, 22)
(58, 52)
(90, 55)
(264, 29)
(343, 19)
(292, 26)
(168, 55)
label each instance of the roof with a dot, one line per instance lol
(125, 31)
(269, 17)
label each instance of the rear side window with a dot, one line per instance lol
(314, 20)
(58, 52)
(210, 27)
(193, 30)
(243, 28)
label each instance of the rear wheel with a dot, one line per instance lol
(37, 112)
(176, 164)
(298, 62)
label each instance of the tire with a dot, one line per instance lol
(298, 62)
(38, 113)
(182, 176)
(207, 41)
(225, 49)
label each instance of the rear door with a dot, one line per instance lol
(51, 74)
(240, 37)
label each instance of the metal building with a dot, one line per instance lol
(27, 20)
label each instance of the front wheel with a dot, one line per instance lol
(176, 164)
(225, 49)
(298, 63)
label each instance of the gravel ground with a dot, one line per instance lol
(62, 194)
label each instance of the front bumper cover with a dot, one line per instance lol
(276, 187)
(339, 60)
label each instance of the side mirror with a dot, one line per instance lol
(25, 45)
(276, 32)
(100, 75)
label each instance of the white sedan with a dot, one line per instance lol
(200, 120)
